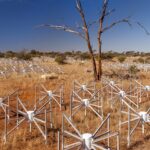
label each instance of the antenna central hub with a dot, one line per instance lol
(86, 102)
(112, 82)
(84, 87)
(50, 93)
(122, 94)
(24, 71)
(145, 116)
(87, 137)
(30, 115)
(147, 88)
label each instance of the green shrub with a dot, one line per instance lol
(2, 55)
(133, 69)
(147, 60)
(141, 60)
(34, 52)
(107, 55)
(85, 56)
(9, 54)
(60, 59)
(24, 56)
(121, 58)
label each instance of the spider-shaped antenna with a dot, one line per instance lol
(2, 73)
(142, 91)
(115, 93)
(49, 98)
(7, 101)
(37, 117)
(87, 141)
(93, 103)
(108, 90)
(85, 89)
(133, 118)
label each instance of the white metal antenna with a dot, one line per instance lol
(115, 93)
(49, 98)
(135, 117)
(143, 91)
(87, 141)
(3, 103)
(7, 102)
(93, 103)
(28, 116)
(3, 74)
(107, 88)
(84, 90)
(23, 67)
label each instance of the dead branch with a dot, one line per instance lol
(110, 12)
(80, 10)
(104, 10)
(141, 26)
(97, 21)
(125, 20)
(64, 28)
(92, 23)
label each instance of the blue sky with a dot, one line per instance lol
(18, 19)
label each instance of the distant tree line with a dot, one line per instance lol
(109, 55)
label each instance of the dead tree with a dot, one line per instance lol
(102, 29)
(87, 37)
(83, 32)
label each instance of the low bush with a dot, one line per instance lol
(121, 58)
(84, 56)
(9, 54)
(60, 59)
(24, 56)
(147, 60)
(2, 55)
(108, 55)
(141, 60)
(133, 69)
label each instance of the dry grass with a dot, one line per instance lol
(22, 139)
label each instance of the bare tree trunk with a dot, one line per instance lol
(101, 21)
(100, 50)
(93, 60)
(87, 37)
(99, 75)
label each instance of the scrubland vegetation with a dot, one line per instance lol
(140, 57)
(79, 68)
